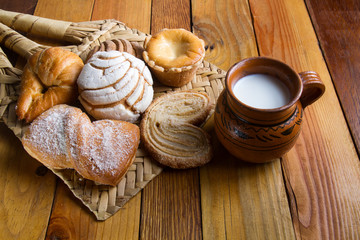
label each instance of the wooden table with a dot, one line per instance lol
(313, 192)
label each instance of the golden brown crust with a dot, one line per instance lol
(49, 78)
(174, 55)
(174, 48)
(169, 132)
(124, 153)
(64, 137)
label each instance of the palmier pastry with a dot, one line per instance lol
(49, 78)
(115, 85)
(64, 137)
(169, 132)
(121, 45)
(173, 56)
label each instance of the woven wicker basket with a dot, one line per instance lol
(103, 201)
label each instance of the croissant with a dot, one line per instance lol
(169, 132)
(64, 137)
(49, 78)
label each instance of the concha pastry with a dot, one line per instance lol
(64, 137)
(169, 133)
(115, 85)
(121, 45)
(173, 56)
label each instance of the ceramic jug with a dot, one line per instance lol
(256, 134)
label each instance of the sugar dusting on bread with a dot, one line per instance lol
(64, 137)
(114, 142)
(51, 137)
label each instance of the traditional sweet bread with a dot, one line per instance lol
(173, 56)
(121, 45)
(49, 78)
(115, 85)
(64, 137)
(169, 132)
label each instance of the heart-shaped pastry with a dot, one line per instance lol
(169, 132)
(64, 137)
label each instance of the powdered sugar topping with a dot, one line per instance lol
(95, 149)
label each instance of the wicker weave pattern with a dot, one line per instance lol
(102, 200)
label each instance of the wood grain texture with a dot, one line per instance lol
(171, 203)
(337, 26)
(26, 191)
(19, 6)
(244, 201)
(171, 206)
(226, 27)
(238, 200)
(70, 219)
(170, 14)
(135, 14)
(66, 10)
(322, 171)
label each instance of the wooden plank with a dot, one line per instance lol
(127, 12)
(227, 30)
(244, 201)
(26, 191)
(337, 27)
(20, 6)
(171, 207)
(27, 188)
(170, 14)
(322, 171)
(170, 204)
(239, 200)
(76, 221)
(70, 219)
(67, 10)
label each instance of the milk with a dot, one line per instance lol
(262, 91)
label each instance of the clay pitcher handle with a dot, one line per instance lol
(313, 88)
